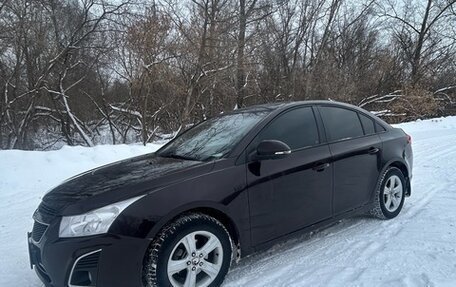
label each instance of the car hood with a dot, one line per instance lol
(118, 181)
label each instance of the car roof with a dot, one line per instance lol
(285, 105)
(260, 108)
(280, 106)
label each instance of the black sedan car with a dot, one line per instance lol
(226, 187)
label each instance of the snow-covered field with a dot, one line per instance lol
(418, 248)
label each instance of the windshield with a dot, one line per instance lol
(213, 138)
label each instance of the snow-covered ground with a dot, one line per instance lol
(418, 248)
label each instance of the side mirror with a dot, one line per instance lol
(272, 149)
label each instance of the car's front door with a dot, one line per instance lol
(356, 150)
(294, 192)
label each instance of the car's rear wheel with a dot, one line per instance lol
(195, 250)
(390, 194)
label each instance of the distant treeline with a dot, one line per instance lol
(76, 71)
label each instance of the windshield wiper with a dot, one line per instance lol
(178, 156)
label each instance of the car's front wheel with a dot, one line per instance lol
(195, 250)
(390, 194)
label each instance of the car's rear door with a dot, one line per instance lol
(356, 151)
(290, 193)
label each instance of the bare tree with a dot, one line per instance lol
(420, 30)
(111, 71)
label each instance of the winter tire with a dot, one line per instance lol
(193, 251)
(390, 194)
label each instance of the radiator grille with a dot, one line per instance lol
(38, 231)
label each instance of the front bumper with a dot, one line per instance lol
(116, 261)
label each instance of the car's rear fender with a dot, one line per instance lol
(401, 164)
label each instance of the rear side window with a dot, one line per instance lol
(341, 123)
(297, 128)
(368, 124)
(379, 128)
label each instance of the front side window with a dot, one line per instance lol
(213, 138)
(341, 123)
(297, 128)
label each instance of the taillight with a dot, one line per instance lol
(409, 138)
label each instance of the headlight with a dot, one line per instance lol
(93, 222)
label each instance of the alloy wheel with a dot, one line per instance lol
(195, 260)
(392, 193)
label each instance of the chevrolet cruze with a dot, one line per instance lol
(225, 188)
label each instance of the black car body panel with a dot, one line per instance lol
(54, 257)
(279, 204)
(118, 181)
(260, 202)
(355, 171)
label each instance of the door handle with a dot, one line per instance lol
(321, 166)
(373, 150)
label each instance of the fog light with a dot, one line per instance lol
(82, 278)
(85, 270)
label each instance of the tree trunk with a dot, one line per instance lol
(419, 46)
(240, 68)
